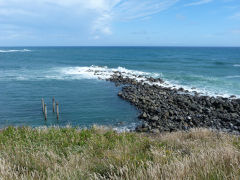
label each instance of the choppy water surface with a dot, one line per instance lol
(28, 74)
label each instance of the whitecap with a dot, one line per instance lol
(103, 73)
(14, 50)
(232, 77)
(97, 72)
(236, 65)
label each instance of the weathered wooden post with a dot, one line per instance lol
(53, 104)
(45, 111)
(57, 106)
(42, 105)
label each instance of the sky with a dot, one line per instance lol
(120, 23)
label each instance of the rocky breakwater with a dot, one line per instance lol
(166, 109)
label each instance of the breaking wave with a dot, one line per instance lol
(96, 72)
(14, 50)
(232, 77)
(204, 87)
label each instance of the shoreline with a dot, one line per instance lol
(165, 109)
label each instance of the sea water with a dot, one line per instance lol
(28, 74)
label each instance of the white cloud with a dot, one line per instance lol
(141, 8)
(99, 13)
(198, 2)
(126, 10)
(102, 25)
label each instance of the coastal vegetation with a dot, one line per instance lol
(101, 153)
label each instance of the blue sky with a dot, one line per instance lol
(120, 22)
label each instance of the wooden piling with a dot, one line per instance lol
(53, 104)
(57, 106)
(45, 111)
(42, 105)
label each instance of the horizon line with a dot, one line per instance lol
(120, 46)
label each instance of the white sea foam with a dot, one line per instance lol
(14, 50)
(236, 65)
(127, 128)
(21, 78)
(97, 72)
(232, 77)
(200, 90)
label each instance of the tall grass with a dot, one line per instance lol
(70, 153)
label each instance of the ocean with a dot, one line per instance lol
(28, 74)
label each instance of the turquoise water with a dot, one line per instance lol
(30, 73)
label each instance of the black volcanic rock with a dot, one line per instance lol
(165, 109)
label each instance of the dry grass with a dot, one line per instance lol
(68, 153)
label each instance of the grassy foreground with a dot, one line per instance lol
(69, 153)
